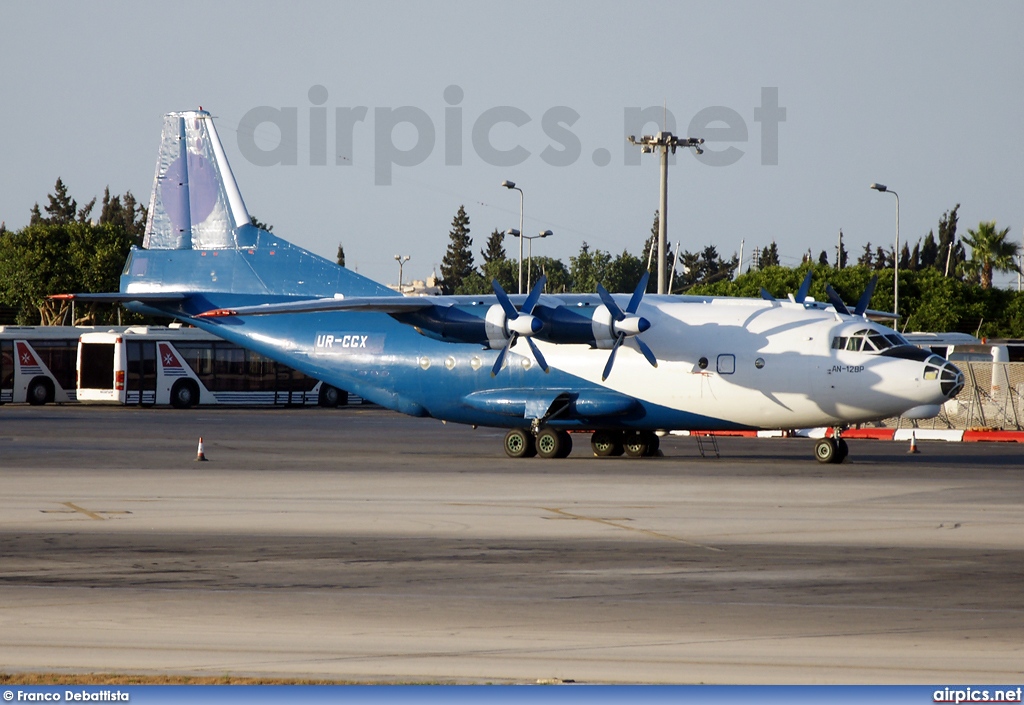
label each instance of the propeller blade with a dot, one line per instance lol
(531, 300)
(536, 354)
(836, 300)
(766, 295)
(865, 298)
(611, 356)
(805, 288)
(648, 353)
(501, 355)
(506, 305)
(609, 303)
(638, 293)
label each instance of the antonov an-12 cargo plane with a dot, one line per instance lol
(625, 368)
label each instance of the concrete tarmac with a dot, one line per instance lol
(360, 544)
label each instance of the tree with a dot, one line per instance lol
(769, 256)
(823, 258)
(341, 255)
(624, 272)
(929, 250)
(124, 212)
(558, 279)
(497, 265)
(588, 269)
(45, 259)
(882, 259)
(990, 251)
(495, 249)
(457, 264)
(951, 253)
(62, 209)
(867, 258)
(261, 225)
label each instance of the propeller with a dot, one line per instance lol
(520, 323)
(797, 298)
(862, 303)
(627, 323)
(805, 288)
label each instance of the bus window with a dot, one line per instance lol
(59, 357)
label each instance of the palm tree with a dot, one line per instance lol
(990, 251)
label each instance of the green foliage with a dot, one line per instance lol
(263, 226)
(45, 259)
(559, 280)
(457, 264)
(990, 252)
(341, 255)
(588, 269)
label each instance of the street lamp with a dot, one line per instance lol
(529, 257)
(664, 141)
(882, 188)
(511, 185)
(401, 259)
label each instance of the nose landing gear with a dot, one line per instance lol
(831, 450)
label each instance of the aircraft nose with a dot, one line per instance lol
(951, 380)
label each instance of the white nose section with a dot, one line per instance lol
(925, 411)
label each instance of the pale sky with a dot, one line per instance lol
(925, 97)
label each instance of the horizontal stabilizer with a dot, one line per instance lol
(149, 297)
(377, 304)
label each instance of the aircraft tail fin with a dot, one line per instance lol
(199, 235)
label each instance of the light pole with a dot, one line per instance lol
(665, 141)
(511, 185)
(401, 259)
(882, 188)
(529, 257)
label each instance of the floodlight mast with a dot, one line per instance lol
(665, 141)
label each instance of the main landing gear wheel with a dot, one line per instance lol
(519, 444)
(606, 443)
(641, 444)
(831, 450)
(552, 443)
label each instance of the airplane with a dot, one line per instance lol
(627, 368)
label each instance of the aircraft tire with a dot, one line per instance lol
(653, 443)
(519, 444)
(826, 450)
(566, 448)
(552, 443)
(842, 450)
(40, 391)
(330, 397)
(635, 444)
(606, 443)
(184, 394)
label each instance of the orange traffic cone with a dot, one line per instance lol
(913, 443)
(201, 456)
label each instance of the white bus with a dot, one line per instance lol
(183, 367)
(37, 363)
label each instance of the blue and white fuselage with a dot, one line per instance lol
(622, 366)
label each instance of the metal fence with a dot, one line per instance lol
(992, 398)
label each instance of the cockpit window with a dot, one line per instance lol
(868, 340)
